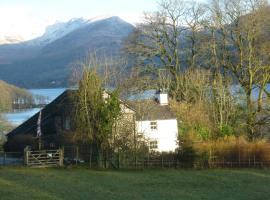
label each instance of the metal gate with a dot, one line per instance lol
(44, 158)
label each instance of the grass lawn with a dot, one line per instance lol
(27, 184)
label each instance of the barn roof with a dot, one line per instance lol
(30, 125)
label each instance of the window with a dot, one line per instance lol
(67, 123)
(153, 126)
(153, 145)
(140, 135)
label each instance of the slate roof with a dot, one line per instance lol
(151, 110)
(30, 125)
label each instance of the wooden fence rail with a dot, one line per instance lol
(43, 158)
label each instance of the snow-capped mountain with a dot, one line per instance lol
(58, 30)
(50, 57)
(53, 32)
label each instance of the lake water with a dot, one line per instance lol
(49, 94)
(19, 116)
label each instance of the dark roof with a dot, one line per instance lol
(30, 125)
(151, 110)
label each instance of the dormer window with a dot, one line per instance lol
(153, 125)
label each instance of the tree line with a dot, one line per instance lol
(200, 54)
(210, 58)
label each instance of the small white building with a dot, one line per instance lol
(156, 123)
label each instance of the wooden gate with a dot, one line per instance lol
(44, 158)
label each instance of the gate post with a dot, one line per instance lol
(61, 157)
(26, 155)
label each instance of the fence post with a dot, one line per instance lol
(118, 159)
(210, 158)
(26, 155)
(162, 160)
(90, 156)
(4, 162)
(61, 157)
(148, 158)
(77, 154)
(239, 157)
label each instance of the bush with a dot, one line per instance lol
(187, 156)
(203, 132)
(226, 130)
(235, 151)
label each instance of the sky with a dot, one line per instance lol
(28, 18)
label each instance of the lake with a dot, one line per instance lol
(17, 117)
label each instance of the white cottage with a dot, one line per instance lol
(156, 123)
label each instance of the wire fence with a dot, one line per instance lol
(75, 155)
(85, 155)
(11, 158)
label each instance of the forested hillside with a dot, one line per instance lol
(11, 96)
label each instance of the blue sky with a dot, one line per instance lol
(28, 18)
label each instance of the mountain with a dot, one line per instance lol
(10, 39)
(46, 61)
(58, 30)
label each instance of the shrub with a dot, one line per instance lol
(226, 130)
(187, 156)
(235, 151)
(203, 132)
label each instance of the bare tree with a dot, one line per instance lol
(157, 41)
(194, 19)
(236, 28)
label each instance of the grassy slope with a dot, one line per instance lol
(23, 183)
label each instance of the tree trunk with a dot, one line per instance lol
(250, 116)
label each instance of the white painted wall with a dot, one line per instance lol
(166, 133)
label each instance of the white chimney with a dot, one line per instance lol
(163, 98)
(105, 95)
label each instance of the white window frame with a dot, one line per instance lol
(153, 145)
(153, 125)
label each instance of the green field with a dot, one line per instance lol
(28, 184)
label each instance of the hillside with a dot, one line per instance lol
(10, 94)
(47, 61)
